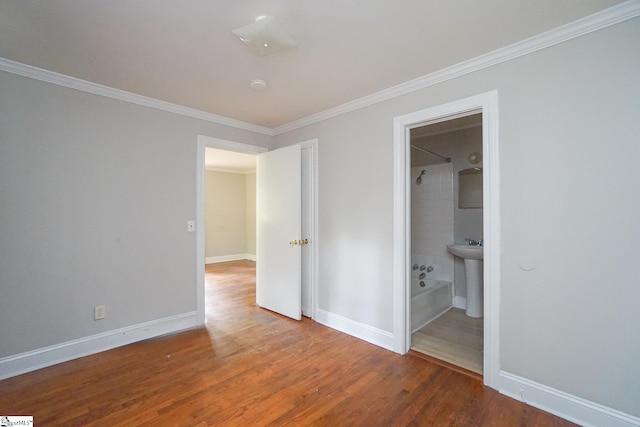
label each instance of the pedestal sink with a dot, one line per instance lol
(473, 256)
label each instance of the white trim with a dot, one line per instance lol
(226, 258)
(597, 21)
(487, 103)
(121, 95)
(565, 405)
(359, 330)
(47, 356)
(202, 142)
(225, 144)
(314, 236)
(459, 302)
(491, 232)
(401, 244)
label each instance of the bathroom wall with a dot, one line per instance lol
(458, 145)
(432, 218)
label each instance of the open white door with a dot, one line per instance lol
(278, 234)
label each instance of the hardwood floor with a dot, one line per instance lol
(453, 337)
(251, 367)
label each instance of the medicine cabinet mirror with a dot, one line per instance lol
(470, 188)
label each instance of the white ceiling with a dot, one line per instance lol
(184, 52)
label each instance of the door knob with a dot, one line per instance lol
(303, 242)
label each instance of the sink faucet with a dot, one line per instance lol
(474, 242)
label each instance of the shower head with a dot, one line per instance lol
(419, 179)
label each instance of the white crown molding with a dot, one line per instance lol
(597, 21)
(121, 95)
(611, 16)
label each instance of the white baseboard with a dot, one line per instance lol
(30, 361)
(359, 330)
(225, 258)
(567, 406)
(460, 302)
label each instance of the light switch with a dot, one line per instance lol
(191, 226)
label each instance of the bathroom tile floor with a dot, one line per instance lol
(453, 337)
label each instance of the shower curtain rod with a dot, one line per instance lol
(446, 159)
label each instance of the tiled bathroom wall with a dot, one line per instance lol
(432, 226)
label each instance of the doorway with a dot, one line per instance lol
(487, 104)
(230, 206)
(308, 212)
(443, 324)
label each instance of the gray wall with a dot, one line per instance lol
(94, 198)
(569, 140)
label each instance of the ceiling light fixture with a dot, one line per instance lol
(265, 36)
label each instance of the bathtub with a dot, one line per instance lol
(430, 301)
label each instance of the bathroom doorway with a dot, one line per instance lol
(486, 104)
(444, 324)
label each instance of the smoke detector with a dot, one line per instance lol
(265, 36)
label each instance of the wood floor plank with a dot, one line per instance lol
(252, 367)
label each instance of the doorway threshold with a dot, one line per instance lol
(444, 363)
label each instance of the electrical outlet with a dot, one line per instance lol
(99, 312)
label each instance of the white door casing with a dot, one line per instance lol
(307, 229)
(487, 103)
(279, 231)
